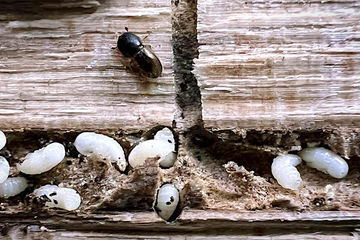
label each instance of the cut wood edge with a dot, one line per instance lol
(192, 221)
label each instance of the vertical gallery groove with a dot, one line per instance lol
(185, 49)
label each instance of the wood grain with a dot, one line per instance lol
(262, 65)
(193, 224)
(58, 70)
(279, 64)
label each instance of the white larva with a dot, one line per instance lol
(65, 198)
(43, 160)
(12, 186)
(284, 171)
(2, 140)
(162, 146)
(150, 149)
(90, 143)
(325, 160)
(166, 202)
(166, 135)
(168, 160)
(4, 169)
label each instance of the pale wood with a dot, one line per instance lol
(279, 64)
(58, 70)
(191, 225)
(263, 65)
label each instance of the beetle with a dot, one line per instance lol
(142, 57)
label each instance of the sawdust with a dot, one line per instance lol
(214, 172)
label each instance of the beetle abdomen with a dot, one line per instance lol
(148, 61)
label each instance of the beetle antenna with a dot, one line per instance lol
(126, 28)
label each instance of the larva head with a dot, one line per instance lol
(166, 135)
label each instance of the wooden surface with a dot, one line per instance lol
(238, 65)
(191, 225)
(279, 64)
(262, 64)
(58, 70)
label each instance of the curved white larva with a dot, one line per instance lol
(65, 198)
(43, 160)
(4, 169)
(13, 186)
(166, 135)
(166, 201)
(162, 146)
(2, 139)
(150, 149)
(284, 170)
(90, 143)
(325, 160)
(168, 160)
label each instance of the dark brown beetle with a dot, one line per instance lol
(142, 56)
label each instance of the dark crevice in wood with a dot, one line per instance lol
(222, 151)
(185, 49)
(248, 147)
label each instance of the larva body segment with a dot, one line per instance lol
(325, 160)
(4, 169)
(12, 186)
(167, 200)
(2, 140)
(162, 146)
(90, 143)
(284, 170)
(150, 149)
(43, 160)
(168, 160)
(65, 198)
